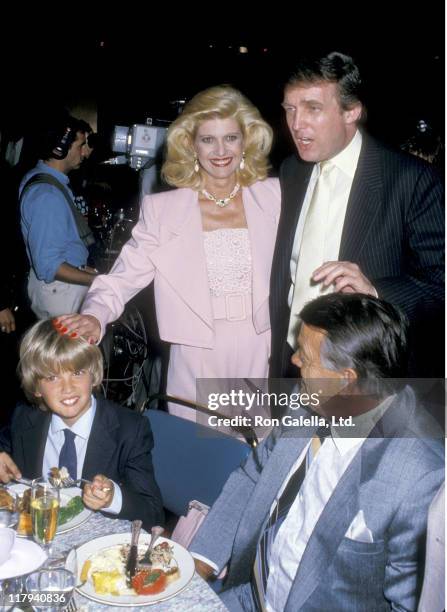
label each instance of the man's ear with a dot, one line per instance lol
(350, 374)
(352, 115)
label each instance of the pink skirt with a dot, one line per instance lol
(239, 352)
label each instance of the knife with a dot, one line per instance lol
(131, 563)
(26, 481)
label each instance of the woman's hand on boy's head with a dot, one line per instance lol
(8, 469)
(75, 325)
(99, 494)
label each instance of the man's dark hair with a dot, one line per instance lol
(332, 68)
(54, 132)
(84, 126)
(364, 333)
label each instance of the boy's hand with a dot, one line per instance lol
(99, 494)
(8, 469)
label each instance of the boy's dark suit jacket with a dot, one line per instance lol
(119, 447)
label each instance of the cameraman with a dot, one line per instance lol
(56, 234)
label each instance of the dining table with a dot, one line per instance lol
(197, 596)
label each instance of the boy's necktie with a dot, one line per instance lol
(67, 456)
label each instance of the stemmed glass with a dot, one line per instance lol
(44, 512)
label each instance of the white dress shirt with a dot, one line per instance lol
(82, 429)
(322, 477)
(342, 176)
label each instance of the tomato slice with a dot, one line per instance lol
(149, 582)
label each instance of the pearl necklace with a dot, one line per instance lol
(221, 201)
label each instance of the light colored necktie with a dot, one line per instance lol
(312, 248)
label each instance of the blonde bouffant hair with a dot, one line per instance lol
(45, 352)
(220, 102)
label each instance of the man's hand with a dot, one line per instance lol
(81, 325)
(75, 276)
(90, 270)
(203, 569)
(99, 494)
(345, 276)
(8, 469)
(7, 321)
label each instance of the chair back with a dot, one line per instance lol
(190, 460)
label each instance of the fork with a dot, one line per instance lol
(68, 481)
(146, 562)
(72, 607)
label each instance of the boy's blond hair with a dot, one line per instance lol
(45, 351)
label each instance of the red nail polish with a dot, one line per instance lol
(63, 330)
(73, 335)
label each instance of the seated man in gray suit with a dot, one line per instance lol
(433, 589)
(343, 529)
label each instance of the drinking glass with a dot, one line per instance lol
(8, 591)
(9, 509)
(44, 512)
(52, 588)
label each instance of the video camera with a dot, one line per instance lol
(139, 144)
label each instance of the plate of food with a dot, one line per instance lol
(101, 569)
(72, 511)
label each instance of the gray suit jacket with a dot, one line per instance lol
(433, 591)
(392, 479)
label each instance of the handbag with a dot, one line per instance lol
(187, 526)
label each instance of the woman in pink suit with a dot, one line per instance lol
(207, 245)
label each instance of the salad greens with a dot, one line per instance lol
(72, 509)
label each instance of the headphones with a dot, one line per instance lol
(63, 144)
(58, 140)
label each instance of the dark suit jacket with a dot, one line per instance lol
(393, 229)
(119, 447)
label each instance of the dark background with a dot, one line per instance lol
(132, 61)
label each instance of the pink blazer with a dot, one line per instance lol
(167, 247)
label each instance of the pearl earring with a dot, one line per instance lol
(196, 164)
(242, 164)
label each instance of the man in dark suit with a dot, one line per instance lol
(356, 216)
(92, 437)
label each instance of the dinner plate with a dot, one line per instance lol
(26, 556)
(65, 496)
(182, 556)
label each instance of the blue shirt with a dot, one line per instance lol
(48, 226)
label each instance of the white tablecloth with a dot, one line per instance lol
(196, 597)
